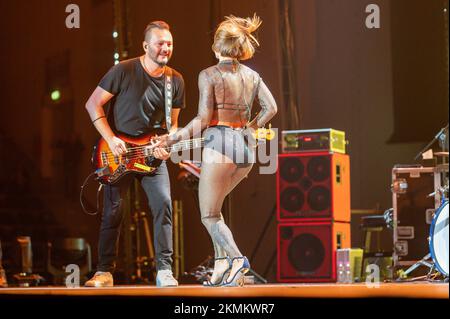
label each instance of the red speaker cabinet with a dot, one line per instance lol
(313, 187)
(307, 251)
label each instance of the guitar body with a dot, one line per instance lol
(137, 159)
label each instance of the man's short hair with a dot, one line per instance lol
(156, 24)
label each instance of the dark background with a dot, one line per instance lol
(387, 88)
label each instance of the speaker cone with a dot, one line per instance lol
(319, 168)
(319, 198)
(292, 199)
(306, 253)
(291, 169)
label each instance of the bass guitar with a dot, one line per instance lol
(138, 159)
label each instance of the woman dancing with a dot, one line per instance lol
(226, 94)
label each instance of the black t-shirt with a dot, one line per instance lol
(138, 103)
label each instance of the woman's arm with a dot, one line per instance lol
(205, 111)
(268, 107)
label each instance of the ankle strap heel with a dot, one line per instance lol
(236, 277)
(225, 273)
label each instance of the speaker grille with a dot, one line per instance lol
(319, 198)
(319, 168)
(292, 169)
(292, 199)
(305, 183)
(313, 185)
(306, 253)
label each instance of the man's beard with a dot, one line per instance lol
(154, 58)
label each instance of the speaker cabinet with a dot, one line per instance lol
(307, 251)
(313, 187)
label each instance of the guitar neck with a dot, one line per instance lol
(187, 145)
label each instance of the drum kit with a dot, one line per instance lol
(437, 260)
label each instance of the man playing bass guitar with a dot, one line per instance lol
(144, 94)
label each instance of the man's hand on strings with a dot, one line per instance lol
(117, 146)
(159, 144)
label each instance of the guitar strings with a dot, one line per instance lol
(138, 152)
(138, 148)
(181, 142)
(112, 158)
(174, 147)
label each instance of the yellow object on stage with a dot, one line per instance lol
(327, 139)
(264, 133)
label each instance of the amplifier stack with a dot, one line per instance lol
(313, 206)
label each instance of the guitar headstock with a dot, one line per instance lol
(264, 133)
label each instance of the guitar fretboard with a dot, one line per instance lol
(187, 145)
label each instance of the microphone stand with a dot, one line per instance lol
(439, 136)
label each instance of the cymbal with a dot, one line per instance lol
(441, 153)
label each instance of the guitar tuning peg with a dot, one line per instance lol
(270, 134)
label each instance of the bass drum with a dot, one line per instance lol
(439, 239)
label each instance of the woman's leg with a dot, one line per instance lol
(215, 182)
(239, 263)
(239, 174)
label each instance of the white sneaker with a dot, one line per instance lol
(164, 278)
(100, 279)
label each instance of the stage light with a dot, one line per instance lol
(115, 34)
(116, 56)
(55, 95)
(116, 62)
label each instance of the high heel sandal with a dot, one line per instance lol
(237, 278)
(209, 283)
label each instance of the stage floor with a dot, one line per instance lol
(384, 290)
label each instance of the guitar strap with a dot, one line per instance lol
(168, 97)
